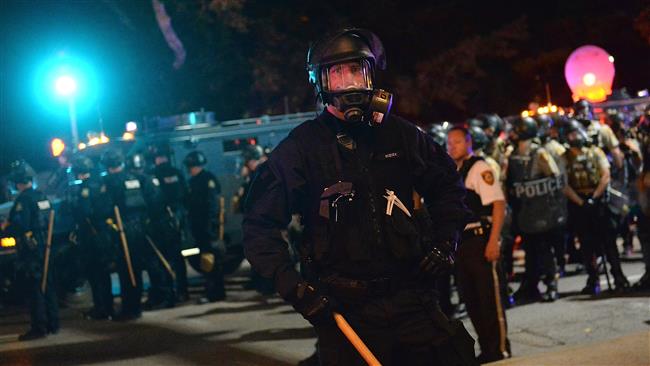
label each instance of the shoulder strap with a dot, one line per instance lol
(467, 166)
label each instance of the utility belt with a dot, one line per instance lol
(354, 289)
(478, 228)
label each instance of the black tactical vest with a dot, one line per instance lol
(472, 199)
(349, 232)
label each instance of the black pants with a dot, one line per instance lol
(643, 228)
(161, 281)
(540, 260)
(479, 282)
(406, 328)
(596, 232)
(131, 295)
(99, 278)
(44, 307)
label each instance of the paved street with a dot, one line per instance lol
(249, 329)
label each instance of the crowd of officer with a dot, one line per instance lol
(573, 185)
(131, 213)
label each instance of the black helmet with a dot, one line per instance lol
(479, 139)
(474, 122)
(350, 45)
(580, 139)
(81, 165)
(112, 158)
(439, 134)
(544, 124)
(160, 149)
(582, 109)
(525, 128)
(346, 45)
(21, 172)
(195, 158)
(491, 123)
(137, 161)
(252, 152)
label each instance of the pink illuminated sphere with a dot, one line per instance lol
(589, 71)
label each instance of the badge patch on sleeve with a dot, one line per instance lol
(212, 184)
(43, 205)
(488, 177)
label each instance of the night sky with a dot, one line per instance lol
(244, 60)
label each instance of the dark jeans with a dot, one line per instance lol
(480, 284)
(406, 328)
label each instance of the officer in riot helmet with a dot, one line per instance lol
(171, 234)
(588, 176)
(438, 133)
(90, 209)
(204, 213)
(128, 195)
(642, 131)
(582, 110)
(29, 223)
(351, 173)
(599, 134)
(155, 262)
(533, 182)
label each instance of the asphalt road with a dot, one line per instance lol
(249, 329)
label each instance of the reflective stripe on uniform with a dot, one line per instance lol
(500, 314)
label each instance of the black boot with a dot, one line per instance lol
(644, 283)
(592, 287)
(31, 335)
(551, 293)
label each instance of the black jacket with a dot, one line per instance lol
(353, 241)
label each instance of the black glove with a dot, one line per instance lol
(439, 259)
(314, 306)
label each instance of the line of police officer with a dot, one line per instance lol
(126, 220)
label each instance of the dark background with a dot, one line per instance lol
(447, 60)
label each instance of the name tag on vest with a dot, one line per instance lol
(132, 184)
(171, 180)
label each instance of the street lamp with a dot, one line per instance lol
(66, 86)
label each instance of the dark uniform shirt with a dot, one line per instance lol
(28, 220)
(203, 207)
(172, 184)
(357, 238)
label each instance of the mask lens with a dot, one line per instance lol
(348, 76)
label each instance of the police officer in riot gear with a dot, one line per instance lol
(534, 183)
(643, 135)
(89, 206)
(203, 211)
(161, 291)
(477, 262)
(587, 177)
(351, 173)
(174, 190)
(28, 224)
(130, 195)
(599, 134)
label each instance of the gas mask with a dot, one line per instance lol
(348, 86)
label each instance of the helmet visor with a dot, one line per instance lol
(354, 75)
